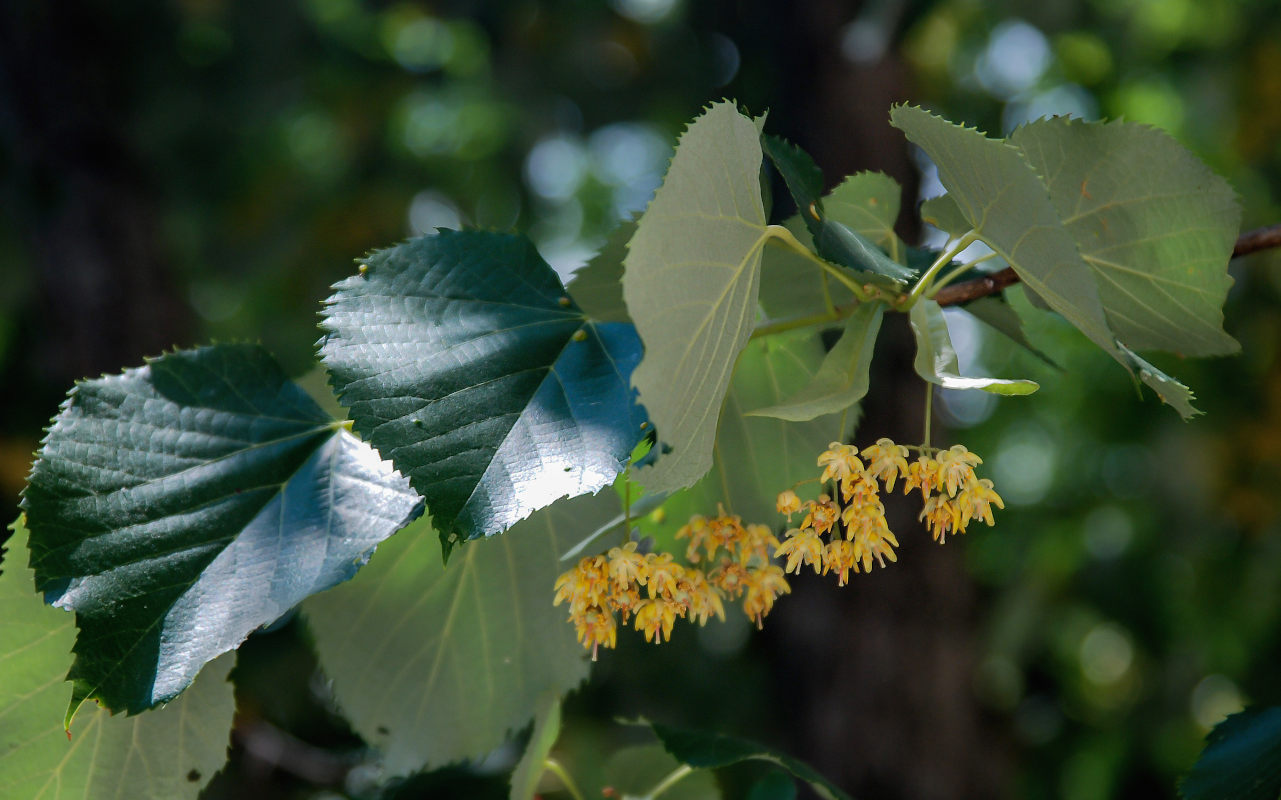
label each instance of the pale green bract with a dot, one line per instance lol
(842, 378)
(691, 282)
(936, 358)
(168, 753)
(434, 663)
(525, 777)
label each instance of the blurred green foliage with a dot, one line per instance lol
(1131, 592)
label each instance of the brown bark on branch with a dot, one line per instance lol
(1248, 242)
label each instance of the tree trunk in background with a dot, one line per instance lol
(879, 674)
(93, 243)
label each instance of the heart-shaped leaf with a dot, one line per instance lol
(463, 360)
(181, 505)
(1009, 204)
(166, 754)
(691, 282)
(435, 663)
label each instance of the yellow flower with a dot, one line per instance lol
(586, 584)
(943, 516)
(729, 577)
(859, 489)
(595, 627)
(700, 597)
(839, 558)
(923, 474)
(696, 531)
(763, 587)
(655, 616)
(839, 461)
(976, 501)
(956, 467)
(758, 542)
(625, 601)
(788, 503)
(801, 546)
(876, 543)
(626, 566)
(861, 519)
(726, 531)
(886, 461)
(664, 574)
(821, 515)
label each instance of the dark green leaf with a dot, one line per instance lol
(462, 360)
(1241, 761)
(181, 505)
(803, 177)
(834, 240)
(712, 750)
(842, 378)
(434, 663)
(598, 286)
(775, 785)
(691, 281)
(166, 754)
(936, 359)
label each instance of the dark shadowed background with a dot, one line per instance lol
(177, 172)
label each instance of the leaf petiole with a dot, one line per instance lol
(782, 235)
(945, 258)
(553, 766)
(668, 781)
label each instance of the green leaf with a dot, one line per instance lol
(1154, 223)
(936, 358)
(868, 203)
(997, 314)
(181, 505)
(842, 379)
(166, 754)
(757, 457)
(462, 360)
(633, 772)
(691, 282)
(943, 213)
(432, 664)
(1241, 760)
(713, 750)
(598, 286)
(524, 782)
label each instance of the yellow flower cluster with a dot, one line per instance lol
(855, 526)
(739, 561)
(600, 586)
